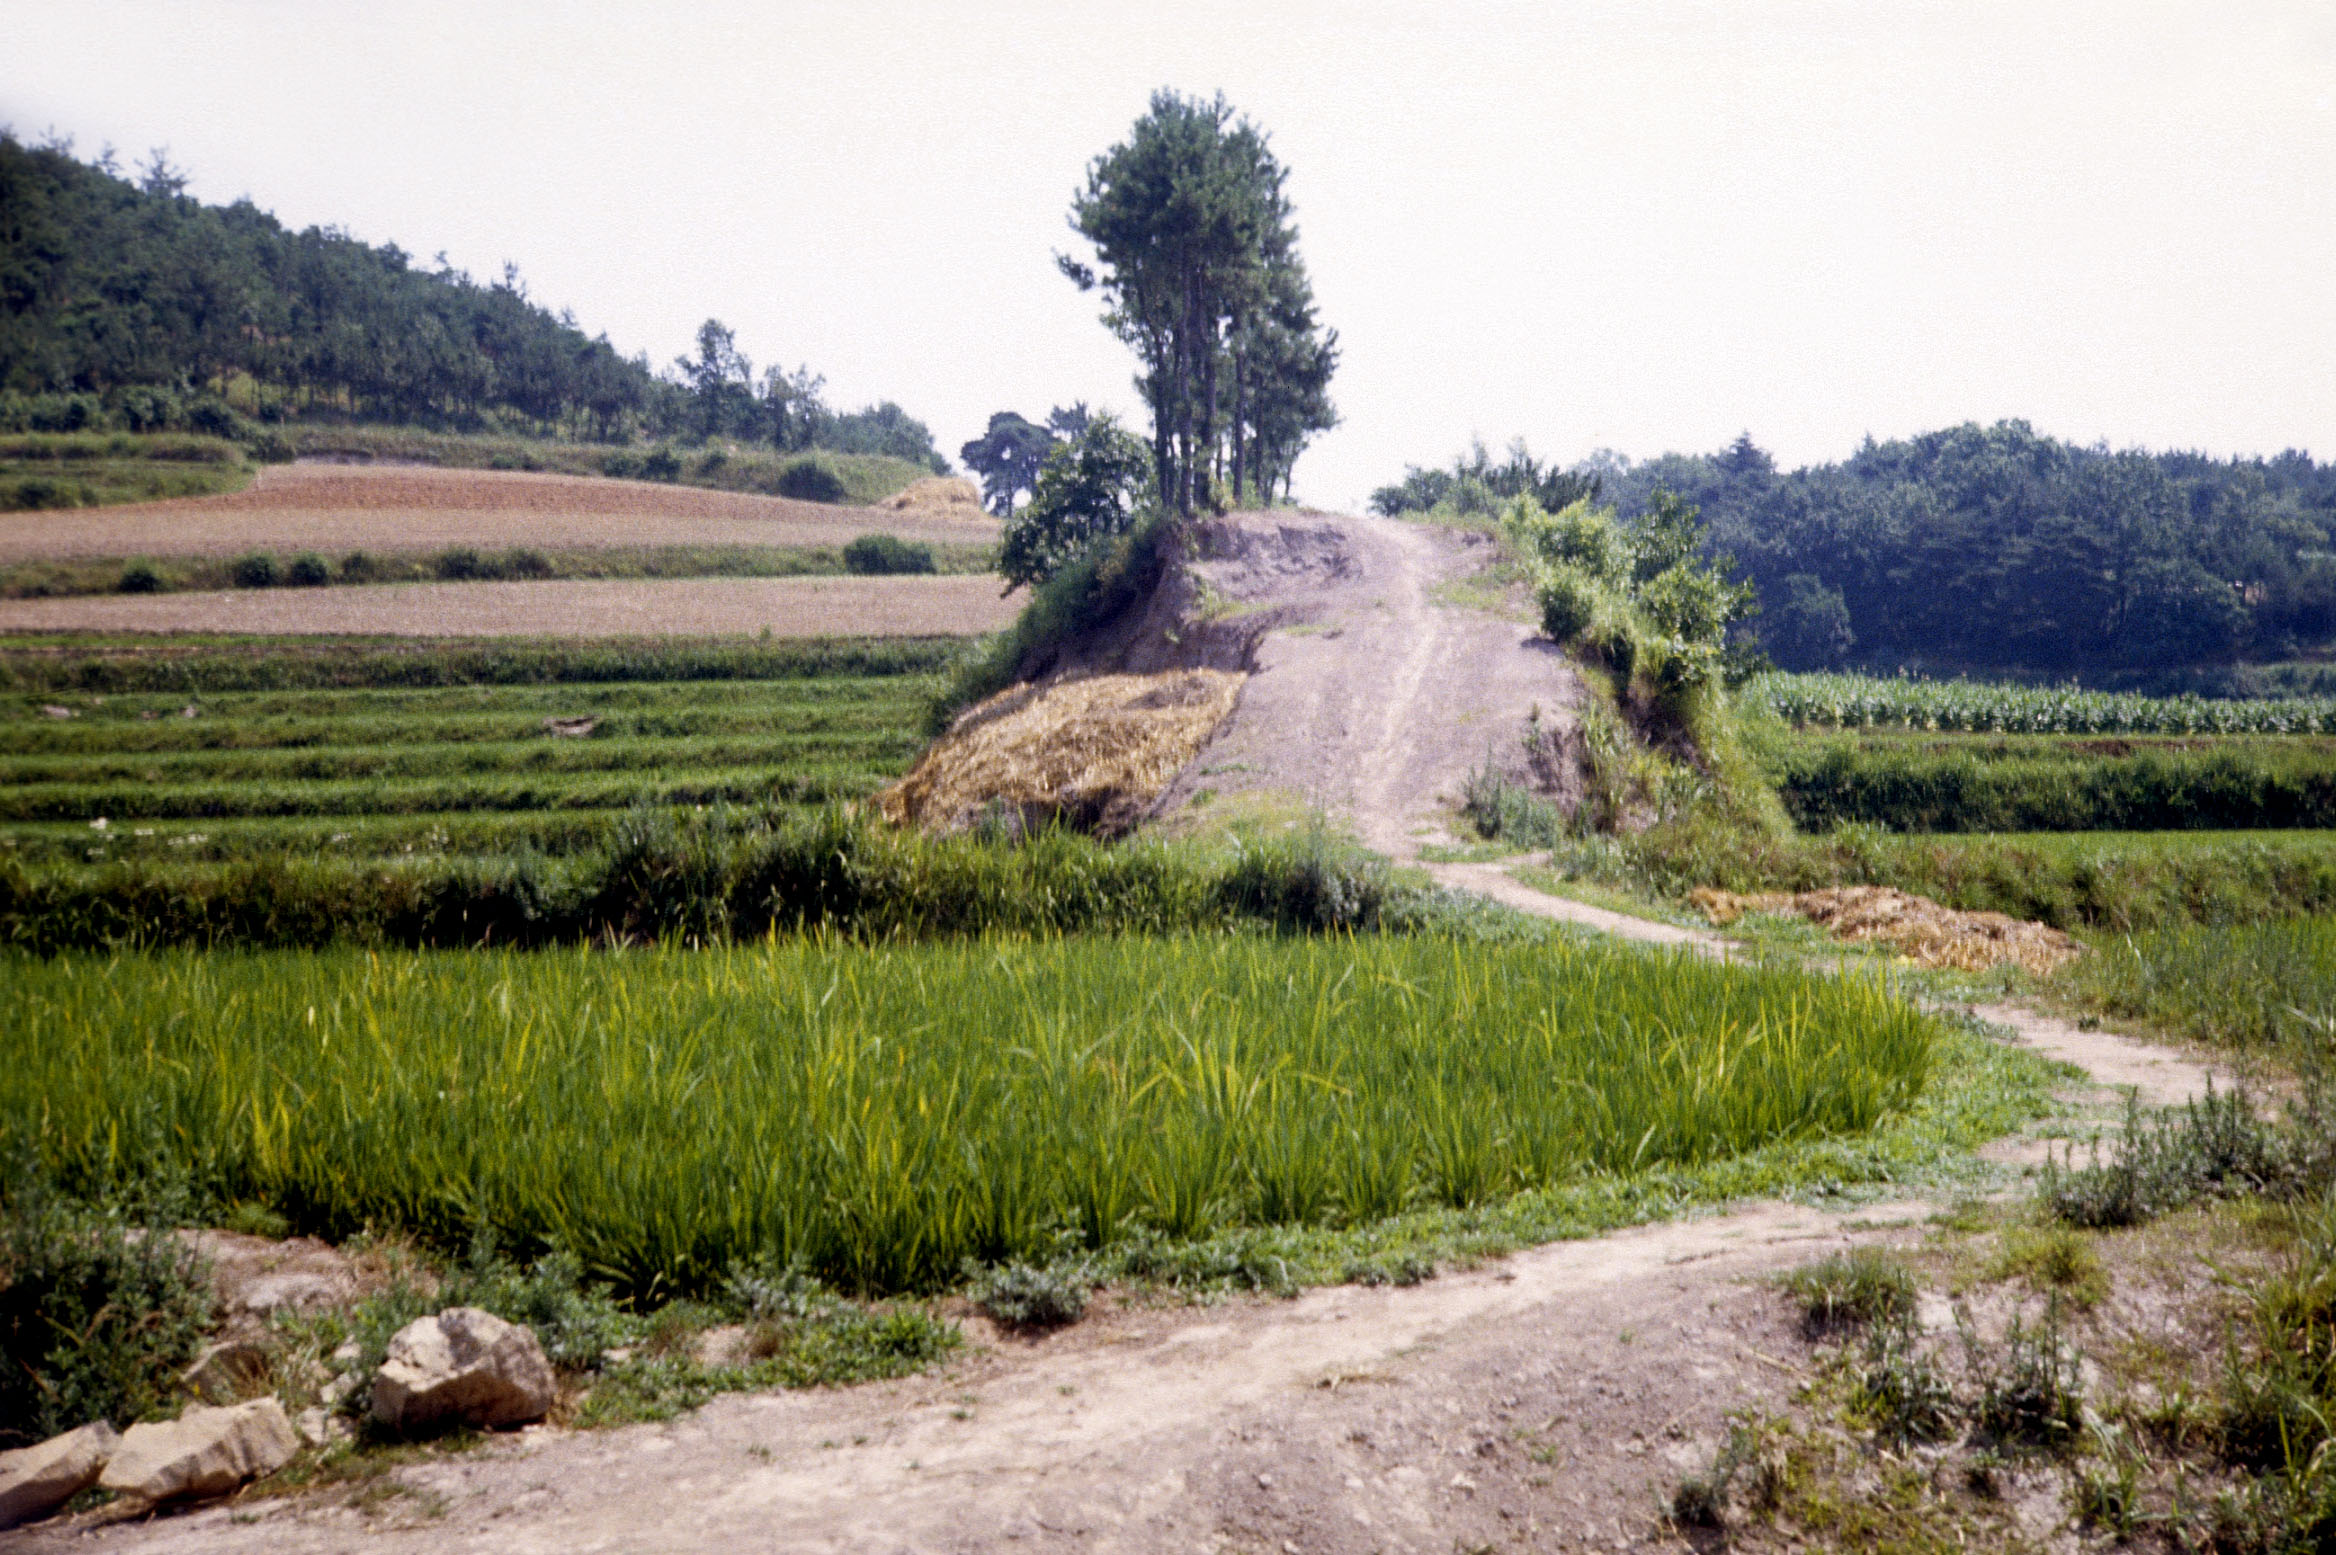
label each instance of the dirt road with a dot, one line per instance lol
(663, 607)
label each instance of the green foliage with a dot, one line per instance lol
(1477, 487)
(1996, 546)
(1089, 491)
(308, 571)
(1869, 702)
(1898, 1387)
(883, 1165)
(139, 578)
(255, 571)
(2266, 986)
(1851, 1290)
(811, 479)
(2031, 1388)
(1086, 592)
(2213, 1147)
(1197, 258)
(2032, 783)
(95, 1323)
(1031, 1296)
(880, 553)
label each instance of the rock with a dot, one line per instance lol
(206, 1451)
(462, 1365)
(322, 1427)
(35, 1481)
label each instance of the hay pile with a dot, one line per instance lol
(1094, 753)
(1917, 927)
(939, 496)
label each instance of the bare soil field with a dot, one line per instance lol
(927, 606)
(336, 508)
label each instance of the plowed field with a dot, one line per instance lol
(708, 607)
(340, 508)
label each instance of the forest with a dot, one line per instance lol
(128, 305)
(1992, 549)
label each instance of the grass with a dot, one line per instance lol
(2263, 987)
(84, 469)
(864, 479)
(180, 574)
(885, 1113)
(1869, 702)
(2031, 783)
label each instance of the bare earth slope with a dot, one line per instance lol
(1371, 696)
(335, 508)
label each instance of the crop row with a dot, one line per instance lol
(1868, 702)
(885, 1113)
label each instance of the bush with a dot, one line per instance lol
(810, 479)
(1852, 1290)
(308, 571)
(139, 578)
(256, 571)
(1569, 601)
(357, 567)
(461, 564)
(876, 554)
(1020, 1295)
(525, 562)
(38, 491)
(94, 1324)
(1089, 492)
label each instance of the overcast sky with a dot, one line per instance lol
(1643, 226)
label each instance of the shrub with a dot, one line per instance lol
(256, 571)
(621, 466)
(39, 491)
(461, 564)
(1089, 492)
(1020, 1295)
(661, 464)
(1569, 600)
(308, 571)
(1898, 1387)
(94, 1324)
(810, 479)
(524, 562)
(1852, 1290)
(139, 578)
(877, 553)
(2031, 1391)
(357, 567)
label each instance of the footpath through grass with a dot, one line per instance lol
(885, 1114)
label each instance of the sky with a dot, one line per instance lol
(1642, 226)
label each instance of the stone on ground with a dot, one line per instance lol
(462, 1366)
(35, 1481)
(206, 1451)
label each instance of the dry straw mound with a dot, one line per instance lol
(939, 496)
(1917, 927)
(1095, 753)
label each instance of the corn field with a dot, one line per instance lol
(885, 1114)
(1871, 702)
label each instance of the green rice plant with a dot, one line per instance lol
(1868, 702)
(668, 1114)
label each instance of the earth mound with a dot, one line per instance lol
(1917, 927)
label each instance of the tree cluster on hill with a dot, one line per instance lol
(1997, 547)
(1010, 454)
(1196, 255)
(1979, 548)
(126, 304)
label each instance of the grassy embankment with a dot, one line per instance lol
(86, 469)
(816, 475)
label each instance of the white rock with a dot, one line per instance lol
(321, 1427)
(35, 1481)
(206, 1451)
(462, 1365)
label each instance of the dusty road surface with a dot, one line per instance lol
(663, 607)
(336, 508)
(1373, 696)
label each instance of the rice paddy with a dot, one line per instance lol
(885, 1113)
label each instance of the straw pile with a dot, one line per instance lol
(1917, 927)
(938, 496)
(1093, 753)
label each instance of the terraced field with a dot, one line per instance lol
(476, 769)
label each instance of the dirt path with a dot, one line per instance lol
(1372, 699)
(676, 607)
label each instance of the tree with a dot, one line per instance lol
(1197, 260)
(1008, 458)
(1090, 489)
